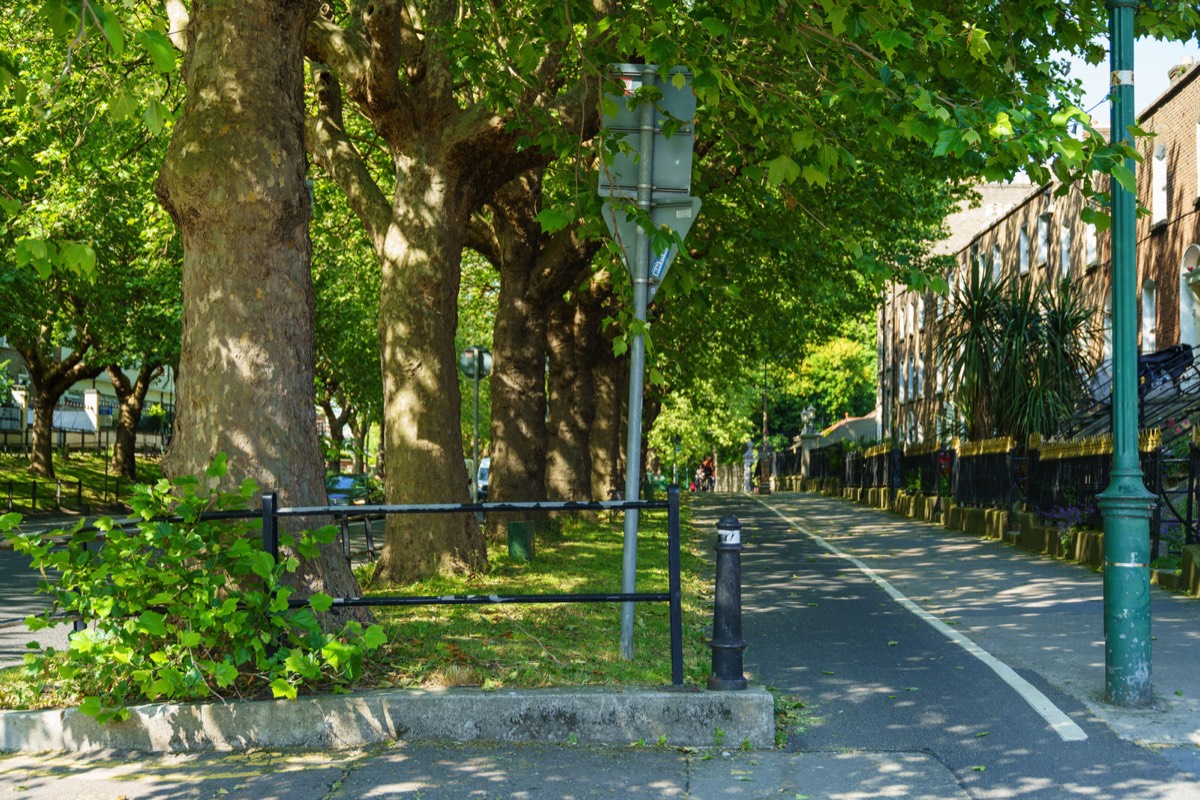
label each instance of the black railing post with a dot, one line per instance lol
(1190, 535)
(727, 643)
(33, 497)
(675, 585)
(270, 525)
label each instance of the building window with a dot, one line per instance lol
(1108, 322)
(1091, 246)
(1198, 159)
(900, 318)
(1149, 317)
(912, 316)
(997, 262)
(920, 377)
(1064, 244)
(1043, 243)
(1023, 250)
(939, 369)
(1159, 200)
(921, 313)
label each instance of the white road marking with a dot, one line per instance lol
(1058, 721)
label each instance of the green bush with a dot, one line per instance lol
(183, 608)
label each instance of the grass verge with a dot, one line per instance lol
(557, 644)
(84, 476)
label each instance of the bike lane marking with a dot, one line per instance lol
(1058, 721)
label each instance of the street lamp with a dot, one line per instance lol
(807, 416)
(475, 362)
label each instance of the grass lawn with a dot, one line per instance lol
(533, 645)
(563, 644)
(80, 471)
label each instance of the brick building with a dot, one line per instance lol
(1040, 238)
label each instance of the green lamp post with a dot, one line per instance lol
(1125, 504)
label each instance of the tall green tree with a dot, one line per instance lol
(234, 182)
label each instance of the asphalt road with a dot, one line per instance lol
(874, 676)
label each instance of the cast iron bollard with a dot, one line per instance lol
(727, 643)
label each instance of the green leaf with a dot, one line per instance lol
(679, 80)
(90, 706)
(111, 28)
(320, 602)
(225, 674)
(155, 116)
(555, 218)
(815, 175)
(1124, 176)
(78, 257)
(261, 564)
(161, 51)
(977, 44)
(1100, 219)
(374, 637)
(152, 623)
(1002, 126)
(218, 467)
(122, 106)
(782, 170)
(281, 688)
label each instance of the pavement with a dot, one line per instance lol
(908, 661)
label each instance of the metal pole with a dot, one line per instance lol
(727, 643)
(270, 525)
(675, 585)
(475, 477)
(637, 365)
(1125, 504)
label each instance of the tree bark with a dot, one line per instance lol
(607, 442)
(573, 341)
(233, 180)
(418, 315)
(131, 398)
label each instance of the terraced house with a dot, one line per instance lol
(1037, 240)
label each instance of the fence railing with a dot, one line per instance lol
(271, 512)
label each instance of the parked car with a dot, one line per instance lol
(352, 490)
(481, 478)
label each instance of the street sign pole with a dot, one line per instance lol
(637, 365)
(1125, 503)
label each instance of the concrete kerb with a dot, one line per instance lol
(587, 715)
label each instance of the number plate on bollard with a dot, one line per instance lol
(729, 537)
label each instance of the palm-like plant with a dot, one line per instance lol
(968, 345)
(1019, 354)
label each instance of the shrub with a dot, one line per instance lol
(183, 607)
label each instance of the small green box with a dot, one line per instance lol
(520, 540)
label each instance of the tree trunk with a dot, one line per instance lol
(518, 380)
(336, 422)
(131, 398)
(607, 442)
(50, 379)
(418, 315)
(573, 343)
(233, 180)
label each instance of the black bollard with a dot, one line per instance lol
(727, 643)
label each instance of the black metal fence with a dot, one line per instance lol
(46, 495)
(271, 513)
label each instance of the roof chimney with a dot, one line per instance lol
(1177, 72)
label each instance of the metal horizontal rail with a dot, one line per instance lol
(454, 508)
(489, 599)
